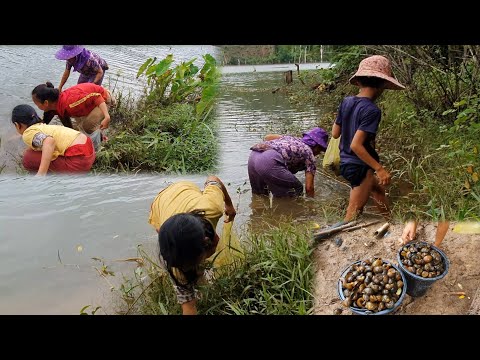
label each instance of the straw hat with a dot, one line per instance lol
(377, 66)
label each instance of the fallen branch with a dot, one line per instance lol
(363, 225)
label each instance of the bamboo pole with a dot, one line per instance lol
(324, 233)
(381, 230)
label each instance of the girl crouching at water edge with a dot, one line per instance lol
(51, 147)
(86, 103)
(186, 218)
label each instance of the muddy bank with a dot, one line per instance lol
(463, 276)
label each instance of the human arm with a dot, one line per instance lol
(358, 148)
(48, 116)
(336, 131)
(65, 76)
(229, 208)
(309, 184)
(48, 147)
(106, 121)
(99, 75)
(269, 137)
(409, 231)
(190, 308)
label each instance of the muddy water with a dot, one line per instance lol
(50, 229)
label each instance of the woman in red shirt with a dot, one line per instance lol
(86, 103)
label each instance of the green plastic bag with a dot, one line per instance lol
(331, 160)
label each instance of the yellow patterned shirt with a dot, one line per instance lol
(34, 135)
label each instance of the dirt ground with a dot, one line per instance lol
(464, 274)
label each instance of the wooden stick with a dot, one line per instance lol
(457, 293)
(325, 233)
(363, 225)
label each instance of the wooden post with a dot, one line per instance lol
(298, 71)
(288, 76)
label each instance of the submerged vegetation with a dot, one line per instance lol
(170, 128)
(429, 136)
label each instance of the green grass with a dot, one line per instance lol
(275, 277)
(159, 139)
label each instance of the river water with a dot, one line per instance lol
(50, 229)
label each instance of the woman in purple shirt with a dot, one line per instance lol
(90, 65)
(357, 121)
(273, 163)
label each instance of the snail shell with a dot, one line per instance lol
(360, 302)
(377, 262)
(347, 302)
(368, 291)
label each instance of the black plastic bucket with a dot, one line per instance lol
(417, 285)
(360, 311)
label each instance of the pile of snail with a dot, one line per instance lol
(372, 285)
(422, 260)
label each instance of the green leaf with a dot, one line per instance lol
(449, 111)
(163, 65)
(82, 312)
(145, 65)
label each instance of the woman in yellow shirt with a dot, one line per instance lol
(51, 147)
(186, 218)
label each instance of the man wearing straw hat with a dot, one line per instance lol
(357, 122)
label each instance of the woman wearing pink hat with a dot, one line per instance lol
(273, 163)
(357, 122)
(90, 65)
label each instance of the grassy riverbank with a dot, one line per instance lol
(432, 155)
(275, 277)
(171, 128)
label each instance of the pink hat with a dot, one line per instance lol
(377, 66)
(68, 52)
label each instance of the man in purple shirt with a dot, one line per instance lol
(273, 163)
(357, 122)
(89, 64)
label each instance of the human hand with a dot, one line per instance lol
(104, 124)
(383, 176)
(40, 174)
(230, 213)
(409, 232)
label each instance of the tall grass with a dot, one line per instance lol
(275, 277)
(169, 139)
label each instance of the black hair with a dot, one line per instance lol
(370, 81)
(25, 114)
(46, 92)
(183, 238)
